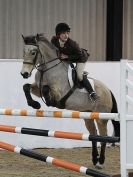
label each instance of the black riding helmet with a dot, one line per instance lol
(62, 27)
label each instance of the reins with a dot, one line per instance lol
(41, 77)
(42, 71)
(42, 64)
(42, 68)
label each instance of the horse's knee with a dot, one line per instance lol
(30, 101)
(26, 87)
(35, 90)
(46, 94)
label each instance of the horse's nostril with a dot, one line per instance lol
(25, 75)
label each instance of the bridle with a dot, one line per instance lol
(41, 67)
(38, 66)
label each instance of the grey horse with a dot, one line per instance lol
(51, 83)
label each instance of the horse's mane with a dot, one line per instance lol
(30, 40)
(46, 41)
(45, 46)
(34, 39)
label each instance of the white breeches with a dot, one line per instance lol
(79, 69)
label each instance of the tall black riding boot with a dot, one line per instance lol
(92, 94)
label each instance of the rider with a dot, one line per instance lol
(70, 51)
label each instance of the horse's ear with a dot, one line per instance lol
(37, 37)
(23, 37)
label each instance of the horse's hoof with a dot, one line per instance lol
(117, 144)
(95, 159)
(99, 166)
(34, 104)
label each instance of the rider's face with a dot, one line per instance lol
(64, 36)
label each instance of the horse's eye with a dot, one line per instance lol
(33, 53)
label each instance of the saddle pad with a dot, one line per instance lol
(71, 81)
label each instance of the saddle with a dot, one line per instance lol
(74, 81)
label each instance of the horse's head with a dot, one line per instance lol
(31, 55)
(38, 51)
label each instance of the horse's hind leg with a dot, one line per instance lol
(102, 153)
(95, 155)
(30, 101)
(116, 124)
(92, 130)
(102, 126)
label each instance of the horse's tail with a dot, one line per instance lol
(114, 105)
(114, 109)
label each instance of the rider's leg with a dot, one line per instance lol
(80, 68)
(89, 88)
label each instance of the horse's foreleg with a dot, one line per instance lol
(46, 94)
(30, 101)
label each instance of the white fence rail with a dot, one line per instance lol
(126, 117)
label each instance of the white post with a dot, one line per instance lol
(123, 113)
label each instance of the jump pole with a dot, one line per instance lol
(60, 114)
(58, 134)
(53, 161)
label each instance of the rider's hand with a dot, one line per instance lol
(63, 56)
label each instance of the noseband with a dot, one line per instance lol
(35, 59)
